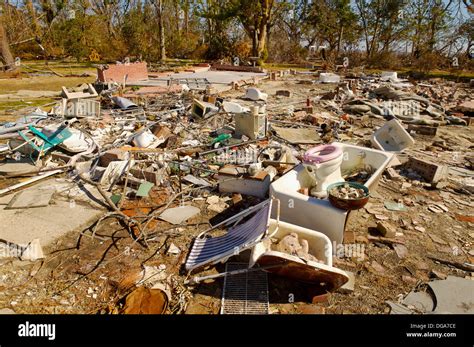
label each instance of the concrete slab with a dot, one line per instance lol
(45, 223)
(422, 301)
(454, 295)
(5, 200)
(30, 198)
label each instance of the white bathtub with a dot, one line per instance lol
(319, 214)
(293, 267)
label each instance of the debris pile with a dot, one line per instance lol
(165, 158)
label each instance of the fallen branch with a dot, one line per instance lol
(462, 266)
(130, 222)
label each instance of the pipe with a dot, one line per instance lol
(230, 146)
(14, 129)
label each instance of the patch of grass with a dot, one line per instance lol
(274, 66)
(44, 83)
(18, 104)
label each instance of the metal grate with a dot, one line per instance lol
(245, 293)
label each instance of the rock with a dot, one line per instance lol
(439, 185)
(381, 217)
(377, 267)
(435, 209)
(466, 107)
(236, 198)
(406, 185)
(300, 114)
(312, 309)
(420, 229)
(216, 204)
(386, 229)
(438, 275)
(401, 250)
(438, 240)
(393, 175)
(356, 108)
(421, 265)
(33, 251)
(173, 249)
(313, 119)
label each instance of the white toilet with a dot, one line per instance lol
(323, 163)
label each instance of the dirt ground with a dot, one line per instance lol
(85, 273)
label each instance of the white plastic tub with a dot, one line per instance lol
(392, 137)
(319, 244)
(319, 214)
(292, 266)
(328, 77)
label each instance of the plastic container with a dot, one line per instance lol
(392, 137)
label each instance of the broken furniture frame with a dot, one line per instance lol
(48, 141)
(235, 238)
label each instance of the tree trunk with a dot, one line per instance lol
(339, 39)
(261, 40)
(161, 28)
(186, 17)
(34, 21)
(5, 53)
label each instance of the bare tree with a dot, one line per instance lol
(5, 53)
(161, 27)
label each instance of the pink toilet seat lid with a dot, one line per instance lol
(322, 154)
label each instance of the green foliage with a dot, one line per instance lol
(382, 33)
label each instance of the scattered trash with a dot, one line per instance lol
(329, 78)
(144, 189)
(173, 249)
(285, 175)
(394, 206)
(255, 95)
